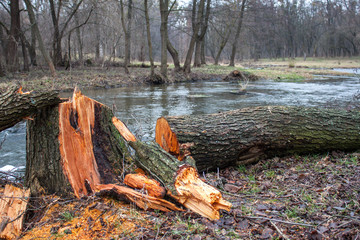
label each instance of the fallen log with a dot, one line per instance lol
(13, 203)
(180, 178)
(75, 149)
(247, 135)
(16, 105)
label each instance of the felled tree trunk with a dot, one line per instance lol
(247, 135)
(16, 105)
(181, 179)
(75, 149)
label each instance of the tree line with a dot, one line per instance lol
(69, 33)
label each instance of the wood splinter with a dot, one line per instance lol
(180, 178)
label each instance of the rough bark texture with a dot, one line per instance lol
(15, 105)
(77, 144)
(247, 135)
(13, 204)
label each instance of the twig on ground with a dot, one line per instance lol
(276, 220)
(279, 231)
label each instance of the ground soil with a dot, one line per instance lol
(296, 197)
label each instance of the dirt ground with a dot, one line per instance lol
(296, 197)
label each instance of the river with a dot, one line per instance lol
(140, 106)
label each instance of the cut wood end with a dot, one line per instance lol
(123, 130)
(166, 138)
(140, 181)
(198, 196)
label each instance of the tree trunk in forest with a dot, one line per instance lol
(200, 37)
(196, 21)
(2, 71)
(35, 28)
(25, 53)
(175, 56)
(237, 34)
(16, 105)
(164, 13)
(247, 135)
(32, 48)
(12, 59)
(148, 35)
(56, 44)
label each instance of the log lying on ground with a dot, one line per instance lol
(13, 203)
(180, 178)
(247, 135)
(16, 105)
(75, 148)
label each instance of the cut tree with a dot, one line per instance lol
(247, 135)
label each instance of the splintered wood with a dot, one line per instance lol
(181, 179)
(198, 196)
(141, 200)
(76, 122)
(142, 182)
(13, 204)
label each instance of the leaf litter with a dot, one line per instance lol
(297, 197)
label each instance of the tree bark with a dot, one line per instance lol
(164, 13)
(12, 58)
(35, 28)
(15, 105)
(196, 21)
(247, 135)
(237, 34)
(148, 34)
(200, 37)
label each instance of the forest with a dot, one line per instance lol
(70, 33)
(189, 119)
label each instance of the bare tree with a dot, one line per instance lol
(148, 34)
(36, 30)
(12, 59)
(237, 34)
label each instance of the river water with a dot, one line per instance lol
(140, 106)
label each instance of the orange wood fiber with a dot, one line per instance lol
(12, 211)
(141, 200)
(141, 181)
(76, 147)
(123, 130)
(167, 139)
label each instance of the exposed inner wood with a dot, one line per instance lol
(141, 200)
(166, 138)
(141, 181)
(76, 122)
(13, 204)
(198, 196)
(180, 178)
(123, 130)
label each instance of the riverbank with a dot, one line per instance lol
(111, 77)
